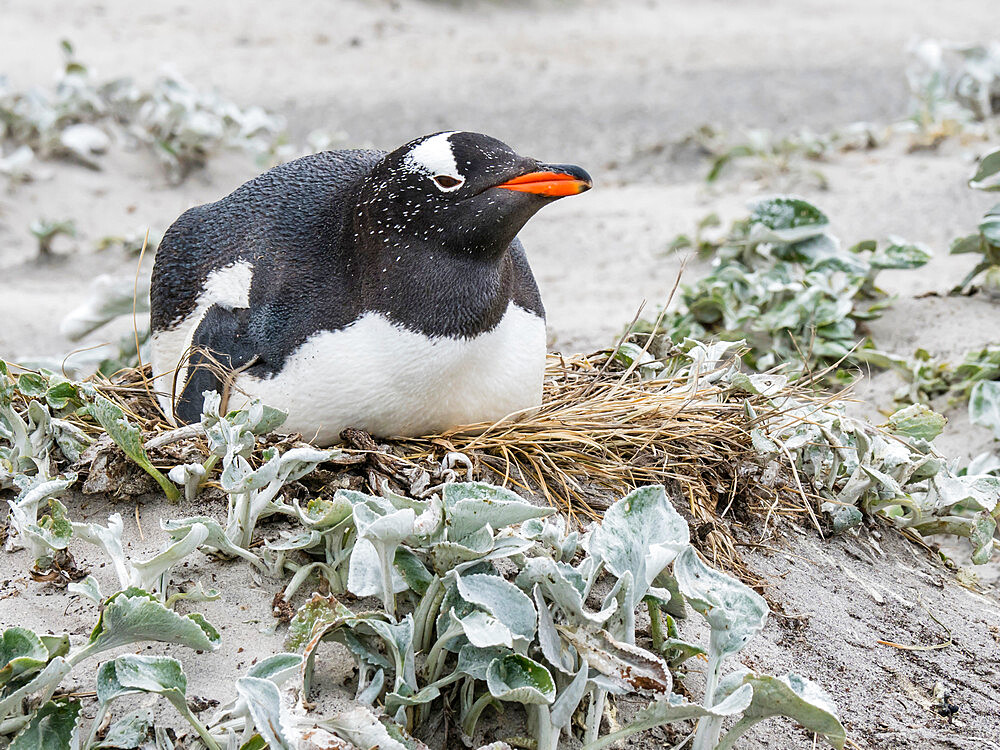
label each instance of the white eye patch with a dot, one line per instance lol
(434, 157)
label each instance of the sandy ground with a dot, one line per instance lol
(615, 87)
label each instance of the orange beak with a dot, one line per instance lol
(551, 184)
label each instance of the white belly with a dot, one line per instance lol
(387, 380)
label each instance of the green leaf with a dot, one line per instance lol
(315, 614)
(987, 176)
(793, 696)
(673, 709)
(141, 674)
(32, 384)
(56, 645)
(901, 254)
(917, 421)
(786, 220)
(984, 405)
(52, 727)
(128, 437)
(135, 615)
(46, 680)
(277, 668)
(733, 610)
(989, 227)
(108, 538)
(503, 600)
(519, 679)
(470, 506)
(971, 243)
(264, 702)
(128, 732)
(21, 652)
(89, 588)
(640, 534)
(414, 572)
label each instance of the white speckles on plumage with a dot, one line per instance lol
(434, 156)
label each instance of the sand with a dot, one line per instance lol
(616, 88)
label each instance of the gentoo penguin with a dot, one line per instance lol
(382, 291)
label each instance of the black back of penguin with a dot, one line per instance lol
(295, 212)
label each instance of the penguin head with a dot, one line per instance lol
(464, 192)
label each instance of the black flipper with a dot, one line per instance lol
(221, 345)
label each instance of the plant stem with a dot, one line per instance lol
(432, 667)
(709, 727)
(426, 614)
(10, 726)
(736, 731)
(470, 720)
(594, 716)
(655, 623)
(96, 725)
(205, 735)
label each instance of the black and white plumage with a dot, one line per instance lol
(386, 292)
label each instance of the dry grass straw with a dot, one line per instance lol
(603, 430)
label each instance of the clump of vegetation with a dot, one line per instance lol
(181, 126)
(486, 639)
(485, 598)
(46, 231)
(953, 89)
(952, 86)
(784, 283)
(769, 155)
(986, 241)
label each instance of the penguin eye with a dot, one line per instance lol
(447, 181)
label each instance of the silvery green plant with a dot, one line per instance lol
(783, 282)
(952, 86)
(986, 241)
(182, 126)
(535, 640)
(33, 666)
(860, 469)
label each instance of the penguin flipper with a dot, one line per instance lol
(220, 347)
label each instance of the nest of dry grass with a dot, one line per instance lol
(602, 430)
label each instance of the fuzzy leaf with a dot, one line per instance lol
(358, 725)
(52, 727)
(21, 652)
(270, 717)
(987, 176)
(519, 679)
(984, 405)
(153, 573)
(733, 610)
(108, 538)
(141, 674)
(469, 506)
(503, 600)
(793, 696)
(89, 588)
(640, 534)
(128, 732)
(45, 680)
(135, 615)
(673, 709)
(917, 421)
(129, 438)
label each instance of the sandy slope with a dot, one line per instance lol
(614, 87)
